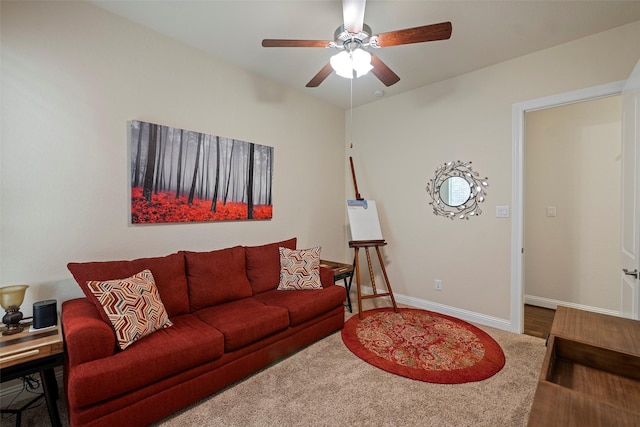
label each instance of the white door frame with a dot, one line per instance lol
(517, 188)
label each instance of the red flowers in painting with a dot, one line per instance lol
(166, 208)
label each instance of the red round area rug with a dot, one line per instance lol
(423, 345)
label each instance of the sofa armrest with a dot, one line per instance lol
(86, 336)
(326, 277)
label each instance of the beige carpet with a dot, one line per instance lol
(326, 385)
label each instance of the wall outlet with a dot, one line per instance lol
(438, 285)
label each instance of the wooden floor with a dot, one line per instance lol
(537, 321)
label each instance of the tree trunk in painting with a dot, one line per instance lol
(179, 172)
(163, 161)
(195, 170)
(250, 183)
(270, 175)
(136, 176)
(162, 143)
(214, 201)
(171, 162)
(204, 167)
(226, 192)
(147, 191)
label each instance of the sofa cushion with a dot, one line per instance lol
(263, 265)
(244, 321)
(168, 272)
(187, 344)
(132, 305)
(305, 305)
(216, 277)
(299, 269)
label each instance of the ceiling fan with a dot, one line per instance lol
(354, 36)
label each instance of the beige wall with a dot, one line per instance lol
(73, 75)
(399, 141)
(572, 162)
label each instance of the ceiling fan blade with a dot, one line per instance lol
(382, 72)
(353, 15)
(426, 33)
(294, 43)
(322, 74)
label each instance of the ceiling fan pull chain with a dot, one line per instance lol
(351, 114)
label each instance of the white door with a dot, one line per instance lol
(630, 250)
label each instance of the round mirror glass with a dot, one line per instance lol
(455, 191)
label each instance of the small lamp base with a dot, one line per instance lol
(12, 319)
(12, 329)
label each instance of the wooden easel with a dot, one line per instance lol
(366, 244)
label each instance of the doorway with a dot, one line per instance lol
(572, 205)
(518, 188)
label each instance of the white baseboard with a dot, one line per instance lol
(553, 304)
(12, 389)
(469, 316)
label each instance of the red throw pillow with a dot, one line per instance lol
(216, 277)
(263, 264)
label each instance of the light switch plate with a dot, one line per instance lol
(502, 212)
(551, 211)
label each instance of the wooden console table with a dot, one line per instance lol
(591, 372)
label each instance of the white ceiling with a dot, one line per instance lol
(485, 32)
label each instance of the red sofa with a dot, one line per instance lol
(222, 331)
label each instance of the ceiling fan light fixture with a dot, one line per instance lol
(345, 63)
(361, 62)
(352, 35)
(341, 63)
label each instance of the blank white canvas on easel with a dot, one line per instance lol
(363, 219)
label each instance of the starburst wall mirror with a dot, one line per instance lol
(457, 190)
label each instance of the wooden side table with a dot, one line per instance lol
(28, 352)
(341, 271)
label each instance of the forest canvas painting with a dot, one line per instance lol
(184, 176)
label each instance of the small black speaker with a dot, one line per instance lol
(45, 314)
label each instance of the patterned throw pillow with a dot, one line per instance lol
(299, 269)
(132, 305)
